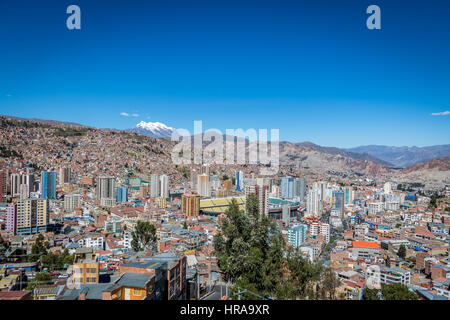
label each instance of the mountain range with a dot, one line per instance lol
(384, 156)
(153, 129)
(299, 159)
(404, 156)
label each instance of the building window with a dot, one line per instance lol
(136, 292)
(91, 280)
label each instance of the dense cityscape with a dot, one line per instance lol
(219, 159)
(90, 214)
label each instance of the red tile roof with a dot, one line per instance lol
(14, 295)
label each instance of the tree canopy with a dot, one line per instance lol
(393, 291)
(252, 254)
(402, 251)
(397, 291)
(144, 236)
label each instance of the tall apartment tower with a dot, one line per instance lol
(203, 187)
(64, 175)
(190, 204)
(15, 181)
(349, 195)
(11, 218)
(321, 185)
(154, 186)
(3, 185)
(105, 190)
(314, 202)
(33, 216)
(388, 188)
(48, 184)
(338, 202)
(28, 180)
(239, 180)
(122, 194)
(299, 189)
(164, 186)
(262, 194)
(194, 175)
(21, 185)
(287, 187)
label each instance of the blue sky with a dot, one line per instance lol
(309, 68)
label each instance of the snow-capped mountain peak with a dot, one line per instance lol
(153, 129)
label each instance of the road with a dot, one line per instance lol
(216, 295)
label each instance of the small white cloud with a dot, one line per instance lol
(9, 95)
(445, 113)
(129, 115)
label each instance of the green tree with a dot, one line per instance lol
(253, 255)
(57, 261)
(144, 236)
(4, 246)
(249, 249)
(38, 249)
(397, 291)
(41, 278)
(402, 252)
(328, 285)
(302, 276)
(370, 294)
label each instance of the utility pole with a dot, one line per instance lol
(198, 285)
(226, 289)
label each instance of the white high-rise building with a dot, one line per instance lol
(388, 188)
(164, 186)
(21, 185)
(321, 186)
(194, 175)
(314, 202)
(154, 186)
(203, 187)
(24, 192)
(15, 184)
